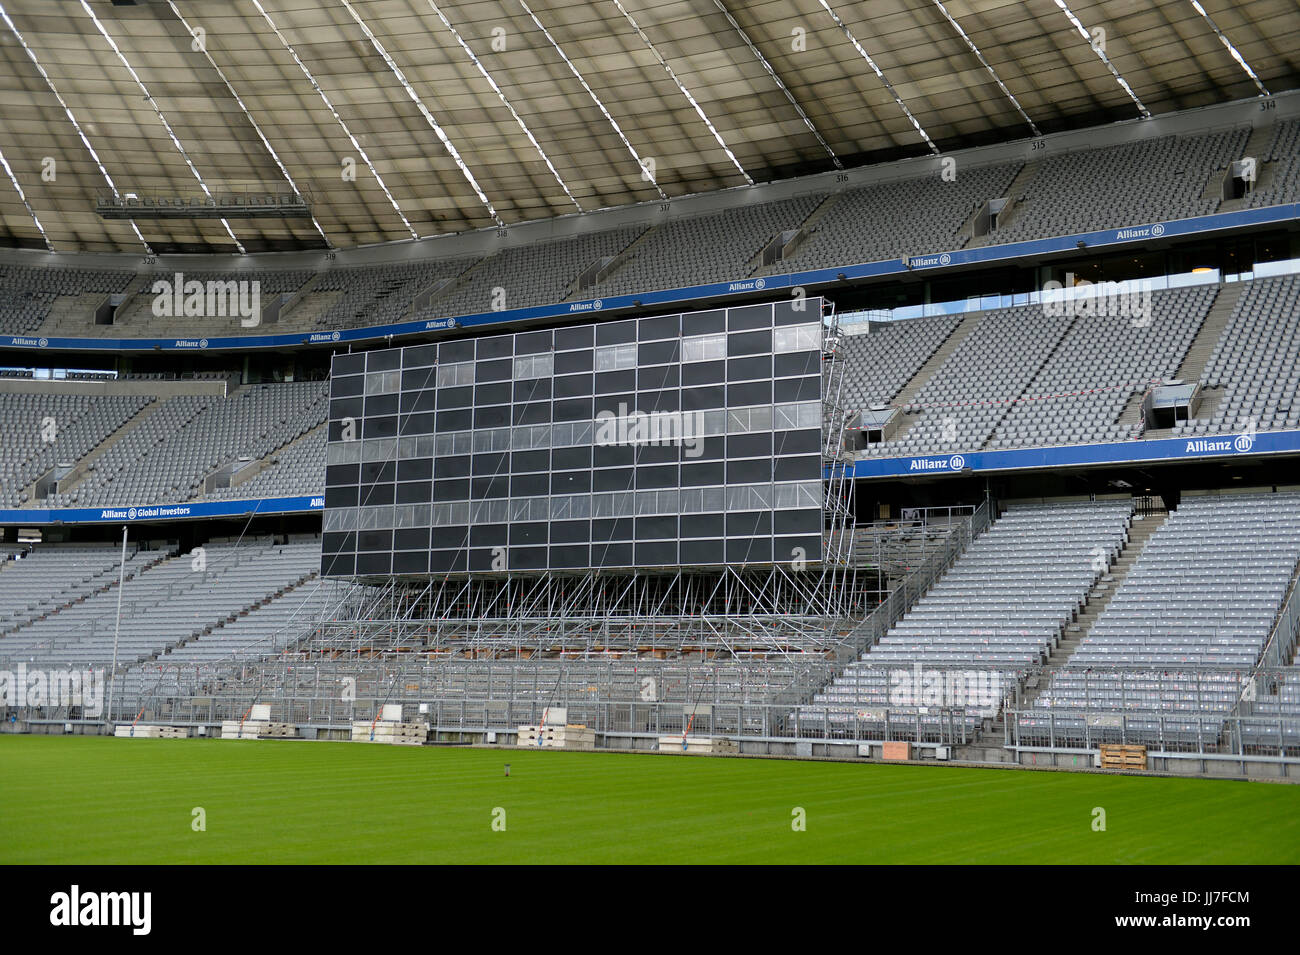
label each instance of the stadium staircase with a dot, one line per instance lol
(237, 614)
(297, 298)
(1140, 531)
(1194, 362)
(1014, 191)
(609, 268)
(1261, 138)
(989, 748)
(964, 328)
(272, 459)
(1216, 320)
(802, 234)
(83, 466)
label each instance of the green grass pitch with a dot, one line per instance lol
(104, 800)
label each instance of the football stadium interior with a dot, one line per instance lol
(890, 381)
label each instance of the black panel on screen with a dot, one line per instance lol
(703, 525)
(702, 552)
(344, 496)
(385, 427)
(379, 564)
(574, 361)
(704, 323)
(420, 355)
(574, 386)
(494, 346)
(579, 336)
(535, 533)
(615, 333)
(501, 369)
(570, 532)
(447, 421)
(527, 558)
(797, 363)
(532, 343)
(611, 555)
(570, 556)
(375, 471)
(411, 562)
(376, 495)
(349, 364)
(414, 492)
(463, 397)
(492, 393)
(655, 553)
(411, 538)
(703, 373)
(488, 535)
(387, 359)
(570, 458)
(450, 352)
(522, 461)
(338, 565)
(797, 442)
(665, 326)
(794, 522)
(454, 466)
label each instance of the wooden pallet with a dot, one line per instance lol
(1123, 756)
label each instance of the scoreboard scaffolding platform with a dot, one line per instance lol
(466, 478)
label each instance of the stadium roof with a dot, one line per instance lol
(462, 114)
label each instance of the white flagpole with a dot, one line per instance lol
(117, 627)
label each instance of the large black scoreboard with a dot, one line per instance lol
(688, 440)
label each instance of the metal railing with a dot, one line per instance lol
(915, 584)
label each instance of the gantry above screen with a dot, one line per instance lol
(688, 440)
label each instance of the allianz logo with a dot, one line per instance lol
(955, 463)
(317, 502)
(1145, 232)
(1240, 444)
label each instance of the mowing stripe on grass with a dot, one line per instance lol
(103, 800)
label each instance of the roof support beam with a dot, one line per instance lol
(339, 119)
(67, 111)
(23, 196)
(504, 102)
(646, 167)
(1100, 50)
(161, 118)
(880, 75)
(777, 80)
(252, 122)
(985, 63)
(699, 111)
(424, 111)
(1232, 50)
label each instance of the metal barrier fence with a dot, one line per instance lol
(1224, 735)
